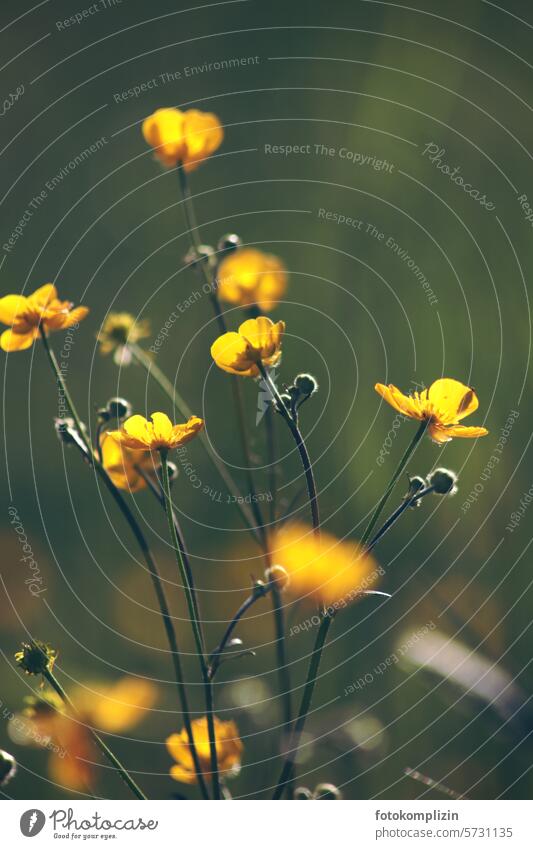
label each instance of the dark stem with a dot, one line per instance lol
(182, 407)
(195, 623)
(216, 655)
(393, 518)
(148, 558)
(300, 444)
(386, 495)
(288, 767)
(106, 751)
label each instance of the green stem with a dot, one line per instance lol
(393, 518)
(183, 408)
(300, 444)
(195, 623)
(149, 560)
(216, 656)
(106, 751)
(281, 654)
(386, 495)
(288, 767)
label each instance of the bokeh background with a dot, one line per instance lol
(374, 79)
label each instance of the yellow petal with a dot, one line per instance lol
(463, 432)
(182, 433)
(11, 341)
(178, 773)
(164, 132)
(162, 427)
(44, 294)
(203, 135)
(233, 353)
(135, 433)
(258, 332)
(12, 308)
(75, 316)
(401, 403)
(451, 399)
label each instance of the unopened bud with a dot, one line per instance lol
(8, 767)
(203, 253)
(115, 410)
(229, 243)
(278, 576)
(36, 658)
(416, 484)
(327, 791)
(443, 481)
(306, 384)
(302, 793)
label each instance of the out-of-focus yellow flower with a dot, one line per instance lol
(257, 340)
(229, 750)
(113, 708)
(184, 138)
(119, 329)
(140, 434)
(249, 277)
(443, 406)
(26, 314)
(329, 571)
(122, 464)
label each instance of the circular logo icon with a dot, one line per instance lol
(32, 822)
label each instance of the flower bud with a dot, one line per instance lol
(172, 471)
(8, 767)
(327, 791)
(306, 384)
(204, 253)
(229, 243)
(416, 484)
(36, 657)
(302, 793)
(115, 410)
(278, 576)
(443, 481)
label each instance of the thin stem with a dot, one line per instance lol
(281, 654)
(271, 459)
(393, 518)
(183, 408)
(148, 558)
(216, 656)
(106, 751)
(288, 767)
(196, 626)
(386, 495)
(300, 444)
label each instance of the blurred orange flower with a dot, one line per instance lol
(258, 340)
(229, 750)
(328, 571)
(184, 138)
(443, 405)
(112, 708)
(26, 314)
(250, 277)
(139, 434)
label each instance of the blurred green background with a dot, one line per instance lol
(377, 80)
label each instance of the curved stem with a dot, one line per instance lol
(104, 748)
(219, 651)
(300, 444)
(196, 626)
(148, 558)
(288, 767)
(281, 653)
(386, 495)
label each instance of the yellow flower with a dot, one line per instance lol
(140, 434)
(229, 750)
(182, 137)
(122, 464)
(443, 405)
(328, 571)
(248, 276)
(27, 314)
(113, 708)
(258, 340)
(119, 329)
